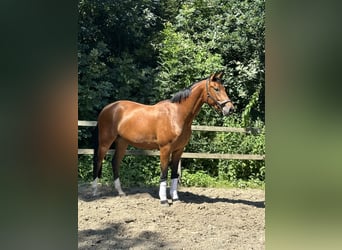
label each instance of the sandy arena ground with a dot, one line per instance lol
(205, 218)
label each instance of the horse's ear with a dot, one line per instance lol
(213, 77)
(219, 75)
(216, 76)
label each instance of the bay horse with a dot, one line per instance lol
(165, 126)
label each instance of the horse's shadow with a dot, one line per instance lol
(188, 197)
(185, 196)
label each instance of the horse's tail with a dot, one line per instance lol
(95, 137)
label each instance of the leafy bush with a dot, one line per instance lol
(142, 170)
(134, 170)
(146, 51)
(240, 143)
(199, 179)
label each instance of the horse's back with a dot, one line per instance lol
(116, 109)
(128, 108)
(143, 126)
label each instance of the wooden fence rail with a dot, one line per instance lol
(193, 127)
(185, 154)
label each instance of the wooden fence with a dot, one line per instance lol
(185, 154)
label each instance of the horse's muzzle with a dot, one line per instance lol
(226, 110)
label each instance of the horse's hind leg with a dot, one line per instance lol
(120, 150)
(105, 141)
(101, 154)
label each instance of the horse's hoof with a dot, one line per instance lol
(122, 194)
(164, 203)
(175, 200)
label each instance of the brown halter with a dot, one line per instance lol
(219, 103)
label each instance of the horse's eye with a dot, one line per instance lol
(216, 89)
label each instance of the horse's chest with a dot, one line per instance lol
(183, 137)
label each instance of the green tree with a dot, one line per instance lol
(115, 53)
(207, 36)
(146, 51)
(116, 57)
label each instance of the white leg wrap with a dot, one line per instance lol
(94, 185)
(117, 186)
(173, 189)
(162, 191)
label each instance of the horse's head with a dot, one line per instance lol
(217, 96)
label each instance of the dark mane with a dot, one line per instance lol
(182, 95)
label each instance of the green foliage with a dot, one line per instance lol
(207, 36)
(239, 143)
(134, 171)
(199, 179)
(146, 51)
(246, 114)
(182, 61)
(85, 170)
(140, 171)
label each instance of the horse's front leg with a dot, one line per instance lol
(164, 160)
(176, 155)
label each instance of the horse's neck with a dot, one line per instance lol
(193, 103)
